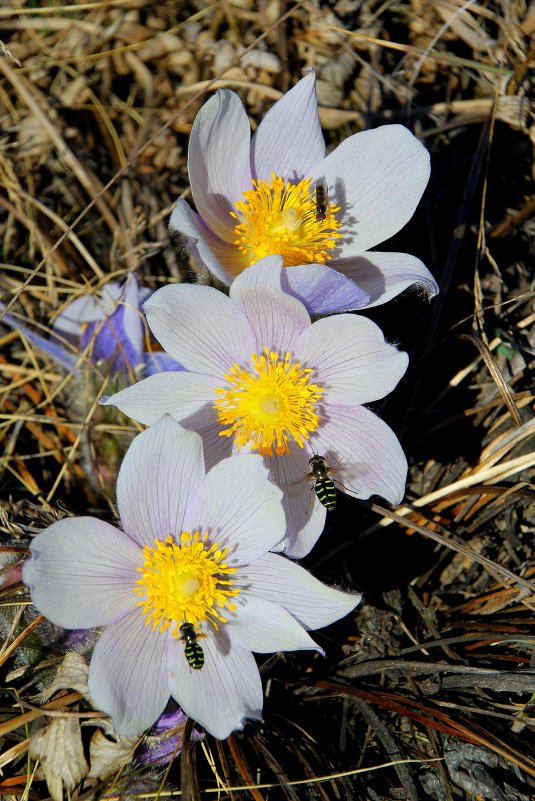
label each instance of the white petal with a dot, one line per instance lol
(289, 141)
(128, 675)
(265, 627)
(282, 581)
(82, 573)
(276, 318)
(378, 178)
(351, 359)
(243, 509)
(200, 328)
(222, 259)
(183, 395)
(364, 453)
(218, 160)
(89, 309)
(158, 480)
(305, 516)
(384, 275)
(224, 692)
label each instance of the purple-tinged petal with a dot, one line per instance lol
(351, 359)
(107, 339)
(289, 141)
(277, 318)
(281, 581)
(131, 320)
(243, 510)
(225, 692)
(377, 178)
(82, 573)
(128, 675)
(365, 454)
(52, 347)
(305, 516)
(179, 394)
(265, 627)
(385, 275)
(200, 328)
(157, 361)
(56, 352)
(322, 289)
(70, 322)
(218, 160)
(158, 480)
(223, 260)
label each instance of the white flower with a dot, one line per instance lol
(259, 375)
(259, 197)
(195, 548)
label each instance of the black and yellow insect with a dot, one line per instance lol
(193, 651)
(323, 484)
(322, 201)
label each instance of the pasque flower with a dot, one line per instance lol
(194, 550)
(108, 326)
(278, 193)
(260, 376)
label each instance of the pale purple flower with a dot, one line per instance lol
(195, 548)
(374, 181)
(108, 325)
(303, 398)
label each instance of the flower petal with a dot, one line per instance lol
(385, 275)
(158, 480)
(82, 572)
(351, 359)
(378, 178)
(128, 674)
(157, 361)
(222, 259)
(265, 627)
(322, 289)
(305, 516)
(86, 309)
(131, 320)
(289, 141)
(218, 160)
(281, 581)
(364, 453)
(243, 509)
(200, 328)
(179, 394)
(277, 318)
(225, 692)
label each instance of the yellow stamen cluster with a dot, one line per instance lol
(278, 217)
(269, 405)
(184, 583)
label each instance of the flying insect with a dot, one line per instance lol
(323, 484)
(322, 200)
(193, 651)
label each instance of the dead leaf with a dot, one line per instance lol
(58, 747)
(71, 675)
(109, 756)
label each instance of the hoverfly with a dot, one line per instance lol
(193, 651)
(322, 200)
(323, 484)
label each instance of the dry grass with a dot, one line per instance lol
(96, 104)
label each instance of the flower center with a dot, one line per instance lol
(292, 220)
(186, 583)
(269, 405)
